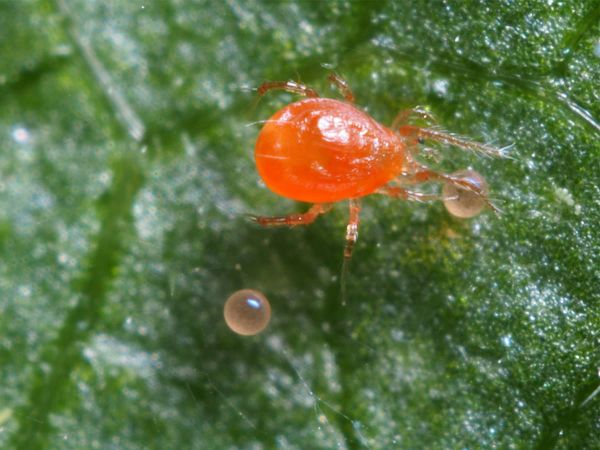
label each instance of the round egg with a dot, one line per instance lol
(464, 203)
(247, 312)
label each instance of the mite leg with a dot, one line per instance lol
(352, 228)
(447, 138)
(351, 236)
(292, 220)
(405, 115)
(431, 153)
(423, 174)
(412, 139)
(290, 86)
(342, 85)
(405, 194)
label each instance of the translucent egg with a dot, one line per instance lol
(461, 202)
(247, 312)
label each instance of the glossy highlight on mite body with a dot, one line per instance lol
(322, 151)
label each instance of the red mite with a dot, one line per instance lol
(321, 151)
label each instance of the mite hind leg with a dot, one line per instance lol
(342, 85)
(292, 220)
(290, 86)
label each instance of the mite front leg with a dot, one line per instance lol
(352, 228)
(405, 115)
(463, 181)
(410, 134)
(420, 134)
(423, 174)
(405, 194)
(289, 86)
(292, 220)
(342, 85)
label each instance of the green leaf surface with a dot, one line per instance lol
(126, 170)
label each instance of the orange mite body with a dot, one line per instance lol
(324, 150)
(321, 150)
